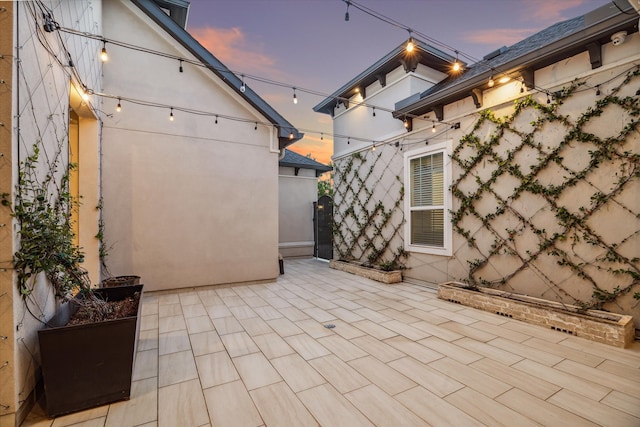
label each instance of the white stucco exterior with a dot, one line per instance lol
(187, 202)
(184, 203)
(541, 276)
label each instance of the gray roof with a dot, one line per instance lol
(173, 27)
(546, 47)
(423, 54)
(294, 160)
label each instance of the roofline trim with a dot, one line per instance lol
(218, 68)
(567, 44)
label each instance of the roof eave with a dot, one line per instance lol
(287, 133)
(385, 64)
(556, 51)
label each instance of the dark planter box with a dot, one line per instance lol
(90, 365)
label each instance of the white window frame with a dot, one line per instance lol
(432, 148)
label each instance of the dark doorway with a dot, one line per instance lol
(323, 228)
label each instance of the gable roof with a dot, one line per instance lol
(294, 160)
(173, 28)
(555, 43)
(423, 54)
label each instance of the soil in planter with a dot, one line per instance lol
(115, 310)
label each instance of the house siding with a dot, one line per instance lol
(205, 209)
(616, 223)
(41, 91)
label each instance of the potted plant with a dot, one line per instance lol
(88, 363)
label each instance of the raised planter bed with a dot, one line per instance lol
(387, 277)
(601, 326)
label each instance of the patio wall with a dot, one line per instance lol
(615, 223)
(40, 92)
(188, 202)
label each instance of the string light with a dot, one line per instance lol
(171, 115)
(290, 134)
(119, 106)
(548, 99)
(373, 147)
(256, 126)
(456, 67)
(410, 44)
(491, 83)
(346, 15)
(216, 122)
(433, 128)
(406, 123)
(242, 87)
(522, 86)
(295, 98)
(374, 111)
(104, 56)
(598, 90)
(180, 68)
(348, 140)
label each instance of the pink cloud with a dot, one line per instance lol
(537, 14)
(231, 47)
(550, 11)
(499, 37)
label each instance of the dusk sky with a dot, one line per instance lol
(308, 44)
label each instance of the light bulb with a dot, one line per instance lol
(406, 123)
(119, 106)
(597, 90)
(291, 135)
(346, 15)
(85, 94)
(295, 98)
(104, 56)
(433, 128)
(180, 68)
(171, 115)
(348, 140)
(410, 45)
(216, 119)
(242, 87)
(373, 148)
(374, 111)
(504, 79)
(256, 126)
(321, 136)
(491, 82)
(456, 66)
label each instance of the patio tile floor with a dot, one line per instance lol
(265, 355)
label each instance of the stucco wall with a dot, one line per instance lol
(188, 202)
(40, 93)
(296, 197)
(542, 276)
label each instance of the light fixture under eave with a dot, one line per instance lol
(406, 123)
(456, 67)
(291, 135)
(119, 106)
(410, 45)
(491, 82)
(104, 56)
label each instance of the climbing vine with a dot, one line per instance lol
(367, 228)
(562, 192)
(43, 206)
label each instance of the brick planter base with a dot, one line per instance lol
(601, 326)
(387, 277)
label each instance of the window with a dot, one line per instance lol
(427, 201)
